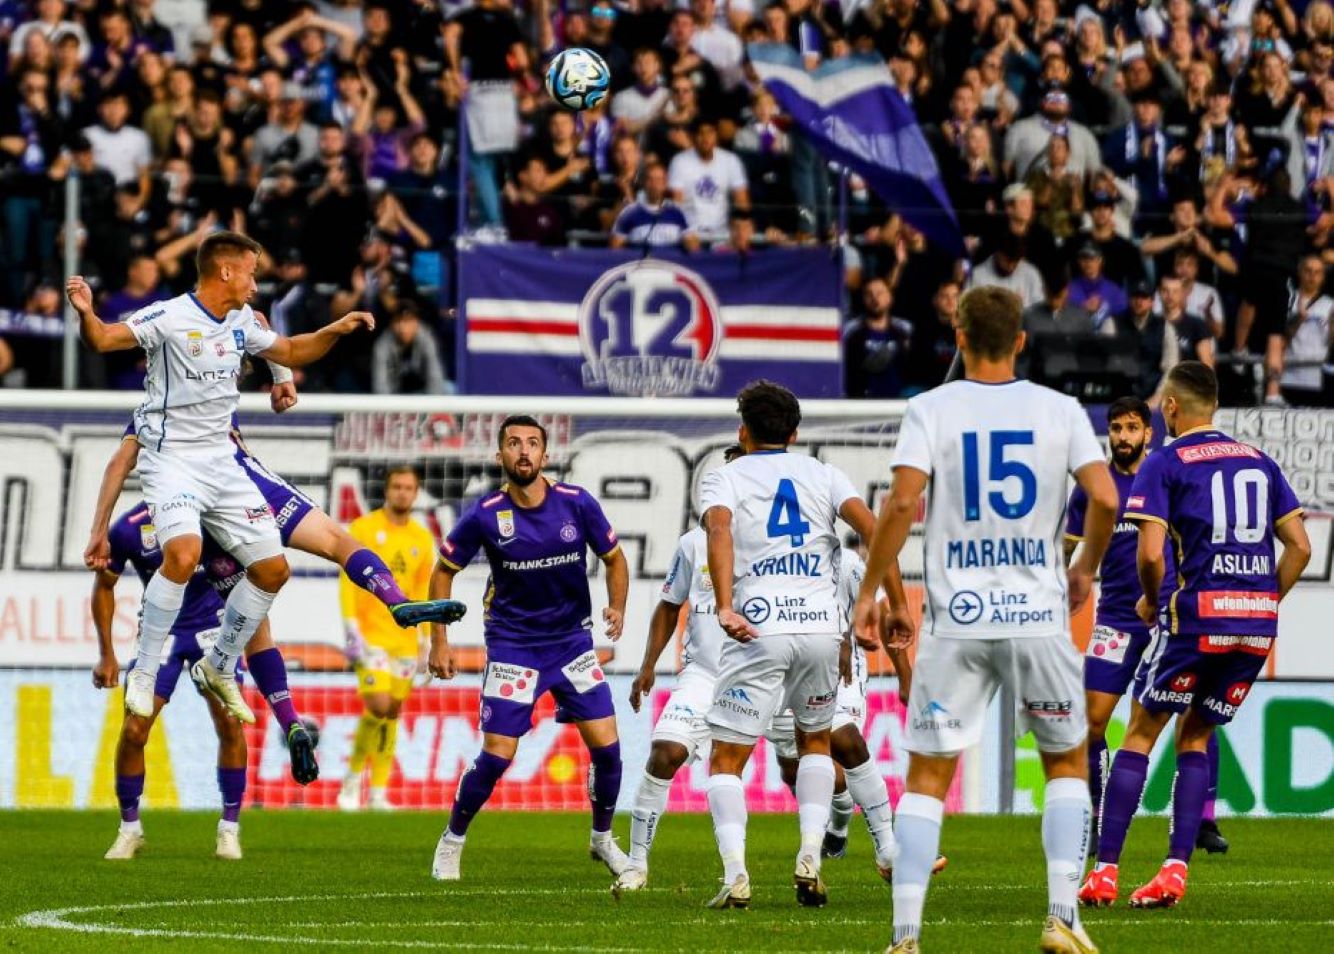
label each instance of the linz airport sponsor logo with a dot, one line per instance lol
(651, 328)
(1003, 607)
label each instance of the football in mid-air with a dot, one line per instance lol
(578, 79)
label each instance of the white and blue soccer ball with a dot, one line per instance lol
(578, 79)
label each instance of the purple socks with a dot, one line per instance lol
(1098, 765)
(475, 787)
(1211, 793)
(231, 783)
(604, 784)
(1120, 800)
(129, 789)
(270, 674)
(1188, 794)
(369, 572)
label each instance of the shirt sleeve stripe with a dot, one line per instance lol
(453, 566)
(1147, 517)
(610, 552)
(1297, 512)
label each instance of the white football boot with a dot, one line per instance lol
(448, 854)
(602, 847)
(139, 687)
(126, 846)
(379, 801)
(229, 842)
(222, 685)
(734, 895)
(349, 794)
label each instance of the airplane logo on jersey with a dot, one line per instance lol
(756, 609)
(965, 607)
(650, 328)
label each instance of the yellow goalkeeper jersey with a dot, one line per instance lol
(409, 552)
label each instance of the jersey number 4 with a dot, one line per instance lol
(1001, 469)
(785, 515)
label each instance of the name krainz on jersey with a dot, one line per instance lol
(1002, 551)
(790, 564)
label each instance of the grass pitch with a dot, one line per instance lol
(329, 881)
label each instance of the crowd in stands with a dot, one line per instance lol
(1153, 178)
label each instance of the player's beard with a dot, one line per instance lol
(519, 478)
(1125, 454)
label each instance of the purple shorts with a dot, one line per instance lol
(1210, 674)
(288, 504)
(185, 652)
(517, 676)
(1112, 657)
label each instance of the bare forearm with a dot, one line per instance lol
(1290, 567)
(1151, 569)
(618, 581)
(307, 348)
(113, 481)
(721, 560)
(103, 605)
(891, 532)
(893, 584)
(660, 630)
(442, 588)
(1099, 522)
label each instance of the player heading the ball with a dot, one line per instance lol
(996, 453)
(538, 627)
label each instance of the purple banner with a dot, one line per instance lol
(590, 322)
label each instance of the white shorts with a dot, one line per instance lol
(213, 490)
(849, 709)
(954, 681)
(683, 719)
(758, 679)
(782, 735)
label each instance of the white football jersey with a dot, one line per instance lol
(688, 582)
(851, 572)
(785, 570)
(194, 361)
(999, 457)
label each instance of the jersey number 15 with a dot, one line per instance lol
(1000, 469)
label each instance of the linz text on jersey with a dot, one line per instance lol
(791, 564)
(1006, 551)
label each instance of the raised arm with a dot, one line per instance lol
(96, 334)
(301, 350)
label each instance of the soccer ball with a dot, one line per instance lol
(578, 79)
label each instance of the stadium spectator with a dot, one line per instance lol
(875, 346)
(1056, 316)
(486, 37)
(1142, 152)
(51, 24)
(1122, 262)
(636, 107)
(1200, 298)
(706, 181)
(1026, 140)
(30, 140)
(120, 147)
(1307, 337)
(125, 370)
(1020, 222)
(300, 47)
(932, 349)
(405, 358)
(1143, 325)
(1093, 291)
(766, 152)
(1058, 193)
(1188, 337)
(653, 220)
(529, 215)
(286, 136)
(1007, 268)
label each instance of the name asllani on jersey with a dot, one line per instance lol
(1002, 551)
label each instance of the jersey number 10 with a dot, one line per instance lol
(1248, 526)
(1000, 469)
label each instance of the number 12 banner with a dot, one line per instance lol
(593, 322)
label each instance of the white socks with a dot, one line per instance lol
(1065, 827)
(161, 605)
(727, 805)
(814, 791)
(840, 813)
(650, 803)
(919, 819)
(867, 788)
(246, 608)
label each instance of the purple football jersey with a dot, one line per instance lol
(538, 591)
(1119, 590)
(132, 541)
(1220, 501)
